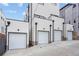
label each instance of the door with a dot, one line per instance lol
(17, 40)
(42, 37)
(57, 35)
(69, 35)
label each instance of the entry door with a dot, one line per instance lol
(69, 35)
(42, 37)
(17, 41)
(57, 35)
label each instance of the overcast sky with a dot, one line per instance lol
(16, 10)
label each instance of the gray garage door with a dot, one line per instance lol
(42, 37)
(17, 40)
(57, 35)
(69, 35)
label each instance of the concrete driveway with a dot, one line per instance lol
(63, 48)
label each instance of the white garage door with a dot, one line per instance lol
(42, 37)
(17, 41)
(57, 35)
(69, 35)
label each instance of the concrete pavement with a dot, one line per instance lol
(62, 48)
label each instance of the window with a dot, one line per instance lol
(74, 21)
(69, 22)
(74, 5)
(55, 4)
(78, 25)
(39, 16)
(41, 3)
(1, 18)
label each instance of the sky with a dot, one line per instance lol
(16, 10)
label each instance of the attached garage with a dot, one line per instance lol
(17, 40)
(43, 37)
(69, 35)
(57, 36)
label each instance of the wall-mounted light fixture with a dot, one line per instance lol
(8, 23)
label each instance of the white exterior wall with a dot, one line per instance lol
(22, 26)
(45, 10)
(68, 27)
(58, 23)
(42, 24)
(2, 22)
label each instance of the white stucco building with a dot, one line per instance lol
(17, 34)
(44, 26)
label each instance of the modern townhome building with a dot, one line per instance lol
(45, 25)
(41, 26)
(70, 13)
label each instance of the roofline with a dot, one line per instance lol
(15, 20)
(66, 5)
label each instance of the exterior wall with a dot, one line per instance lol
(58, 23)
(67, 27)
(45, 10)
(42, 10)
(71, 14)
(68, 15)
(15, 25)
(2, 23)
(44, 25)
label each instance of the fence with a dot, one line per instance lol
(2, 44)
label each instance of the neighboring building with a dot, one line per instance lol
(70, 13)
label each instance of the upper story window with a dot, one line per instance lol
(74, 21)
(39, 16)
(55, 4)
(78, 25)
(74, 5)
(41, 3)
(2, 18)
(69, 22)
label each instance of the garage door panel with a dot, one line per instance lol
(57, 35)
(42, 37)
(69, 35)
(17, 41)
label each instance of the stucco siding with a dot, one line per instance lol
(17, 26)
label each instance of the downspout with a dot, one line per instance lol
(30, 24)
(49, 41)
(53, 31)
